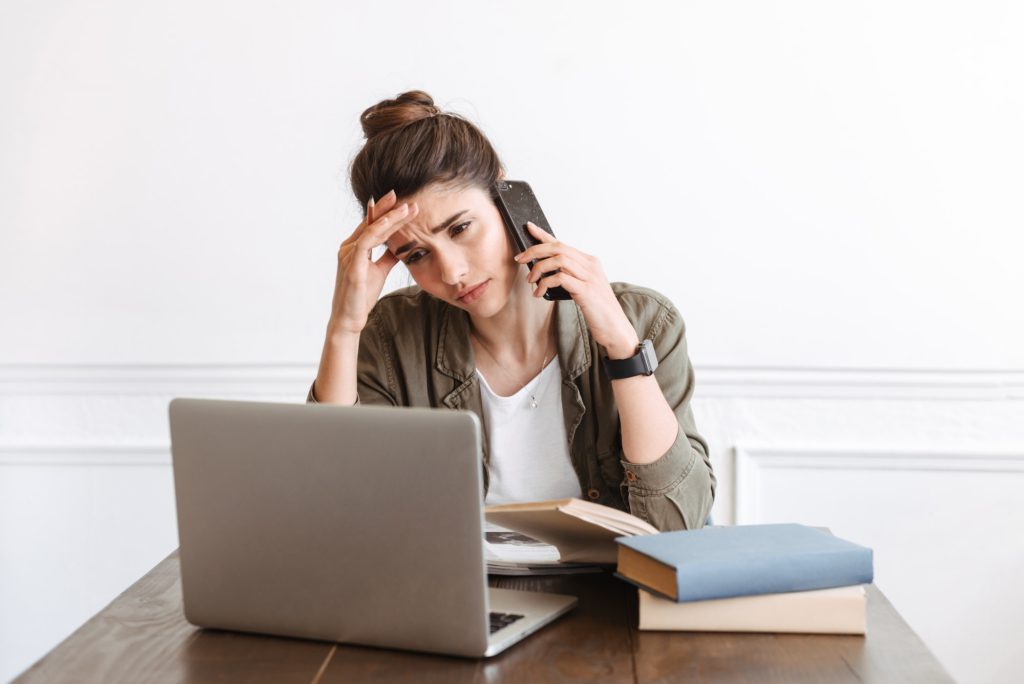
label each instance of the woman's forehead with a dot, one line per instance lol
(437, 205)
(441, 197)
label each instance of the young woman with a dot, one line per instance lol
(560, 388)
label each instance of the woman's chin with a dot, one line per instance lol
(492, 302)
(481, 309)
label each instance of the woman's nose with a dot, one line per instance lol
(453, 266)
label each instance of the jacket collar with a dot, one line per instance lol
(573, 339)
(454, 356)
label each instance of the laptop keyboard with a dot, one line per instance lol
(499, 620)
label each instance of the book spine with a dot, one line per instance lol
(767, 574)
(824, 611)
(642, 587)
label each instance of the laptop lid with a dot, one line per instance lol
(353, 524)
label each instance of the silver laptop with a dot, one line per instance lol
(352, 524)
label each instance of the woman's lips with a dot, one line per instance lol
(474, 294)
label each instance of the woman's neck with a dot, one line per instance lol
(521, 330)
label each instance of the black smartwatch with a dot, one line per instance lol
(644, 362)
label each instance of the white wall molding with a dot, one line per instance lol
(155, 379)
(712, 381)
(858, 383)
(751, 461)
(86, 454)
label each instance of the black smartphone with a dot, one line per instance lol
(517, 205)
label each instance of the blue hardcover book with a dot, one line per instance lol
(742, 560)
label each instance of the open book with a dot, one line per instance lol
(582, 531)
(513, 553)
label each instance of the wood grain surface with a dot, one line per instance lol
(142, 636)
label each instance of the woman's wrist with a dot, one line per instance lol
(623, 346)
(339, 337)
(336, 379)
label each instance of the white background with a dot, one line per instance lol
(829, 192)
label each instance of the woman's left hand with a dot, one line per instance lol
(581, 276)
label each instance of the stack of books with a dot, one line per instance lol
(744, 578)
(748, 578)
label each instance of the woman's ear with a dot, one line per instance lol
(501, 173)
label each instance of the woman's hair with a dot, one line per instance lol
(410, 143)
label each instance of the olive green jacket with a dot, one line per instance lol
(415, 351)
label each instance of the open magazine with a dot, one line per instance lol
(512, 553)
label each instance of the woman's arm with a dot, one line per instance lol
(668, 476)
(676, 488)
(363, 366)
(358, 284)
(336, 377)
(649, 426)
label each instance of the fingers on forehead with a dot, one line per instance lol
(387, 231)
(405, 232)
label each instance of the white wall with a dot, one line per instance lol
(828, 191)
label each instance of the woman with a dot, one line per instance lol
(475, 332)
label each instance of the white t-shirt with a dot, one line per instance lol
(529, 452)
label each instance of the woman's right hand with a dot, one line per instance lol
(360, 279)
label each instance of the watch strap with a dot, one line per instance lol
(644, 362)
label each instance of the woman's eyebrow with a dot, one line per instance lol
(434, 231)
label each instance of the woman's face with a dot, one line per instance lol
(457, 249)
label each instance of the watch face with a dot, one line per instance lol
(643, 362)
(649, 357)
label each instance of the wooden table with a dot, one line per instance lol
(142, 636)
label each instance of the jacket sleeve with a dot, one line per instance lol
(375, 374)
(677, 490)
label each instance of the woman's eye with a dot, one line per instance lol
(453, 231)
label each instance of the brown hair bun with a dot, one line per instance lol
(390, 115)
(411, 143)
